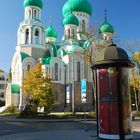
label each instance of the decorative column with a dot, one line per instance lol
(21, 99)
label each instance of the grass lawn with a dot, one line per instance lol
(137, 114)
(62, 115)
(6, 114)
(68, 115)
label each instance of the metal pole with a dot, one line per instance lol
(85, 120)
(96, 88)
(73, 88)
(120, 104)
(65, 88)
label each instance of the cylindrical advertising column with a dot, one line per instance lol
(113, 94)
(114, 112)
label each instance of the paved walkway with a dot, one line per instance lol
(53, 135)
(57, 134)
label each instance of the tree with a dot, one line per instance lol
(133, 48)
(38, 89)
(92, 46)
(136, 78)
(136, 59)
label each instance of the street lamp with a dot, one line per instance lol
(66, 60)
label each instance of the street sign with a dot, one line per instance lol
(67, 94)
(83, 85)
(83, 90)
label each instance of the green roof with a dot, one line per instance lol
(37, 3)
(47, 61)
(77, 6)
(53, 50)
(57, 46)
(86, 44)
(106, 28)
(70, 19)
(15, 89)
(64, 52)
(24, 55)
(50, 32)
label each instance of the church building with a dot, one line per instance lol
(62, 60)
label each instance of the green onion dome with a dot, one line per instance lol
(37, 3)
(50, 32)
(77, 6)
(70, 19)
(65, 9)
(106, 28)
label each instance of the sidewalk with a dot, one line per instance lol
(53, 135)
(6, 119)
(56, 134)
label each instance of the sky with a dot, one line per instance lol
(124, 15)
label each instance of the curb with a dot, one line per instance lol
(47, 120)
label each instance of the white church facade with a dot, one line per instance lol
(36, 44)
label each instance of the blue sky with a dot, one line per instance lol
(124, 15)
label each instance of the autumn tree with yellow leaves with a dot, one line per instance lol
(135, 80)
(38, 89)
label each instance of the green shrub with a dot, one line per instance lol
(28, 110)
(11, 109)
(137, 113)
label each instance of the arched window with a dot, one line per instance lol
(28, 67)
(2, 95)
(68, 33)
(36, 36)
(29, 13)
(27, 36)
(83, 25)
(72, 33)
(35, 14)
(78, 72)
(56, 72)
(60, 74)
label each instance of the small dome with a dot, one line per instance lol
(70, 19)
(37, 3)
(77, 6)
(50, 32)
(106, 28)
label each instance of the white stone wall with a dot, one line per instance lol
(15, 99)
(4, 80)
(8, 95)
(82, 16)
(32, 12)
(16, 68)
